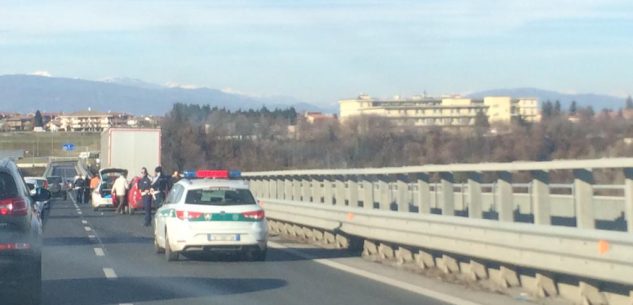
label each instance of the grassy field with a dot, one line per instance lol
(44, 144)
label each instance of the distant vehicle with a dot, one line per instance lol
(20, 237)
(211, 214)
(130, 149)
(57, 187)
(102, 195)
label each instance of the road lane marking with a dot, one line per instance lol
(84, 222)
(99, 252)
(109, 273)
(79, 212)
(376, 277)
(87, 228)
(92, 236)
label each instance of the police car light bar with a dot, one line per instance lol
(212, 174)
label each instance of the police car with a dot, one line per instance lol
(210, 211)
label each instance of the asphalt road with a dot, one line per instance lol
(95, 258)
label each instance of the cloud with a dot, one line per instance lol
(42, 73)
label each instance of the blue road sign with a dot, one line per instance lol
(69, 147)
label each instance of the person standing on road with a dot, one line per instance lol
(160, 185)
(145, 186)
(94, 182)
(78, 187)
(119, 188)
(86, 189)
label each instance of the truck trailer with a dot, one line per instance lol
(131, 149)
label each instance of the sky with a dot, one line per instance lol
(323, 51)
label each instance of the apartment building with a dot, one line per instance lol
(442, 112)
(91, 121)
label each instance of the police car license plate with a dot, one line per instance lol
(223, 237)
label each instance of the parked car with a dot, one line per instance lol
(102, 195)
(57, 187)
(20, 237)
(134, 199)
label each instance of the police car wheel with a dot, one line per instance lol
(169, 254)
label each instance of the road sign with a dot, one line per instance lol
(69, 147)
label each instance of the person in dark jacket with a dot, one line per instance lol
(145, 186)
(86, 190)
(78, 187)
(160, 185)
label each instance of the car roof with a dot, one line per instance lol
(202, 183)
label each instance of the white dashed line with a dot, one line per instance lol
(92, 236)
(99, 252)
(87, 228)
(79, 213)
(84, 222)
(109, 273)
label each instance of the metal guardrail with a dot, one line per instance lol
(404, 206)
(407, 187)
(596, 254)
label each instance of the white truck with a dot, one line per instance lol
(130, 149)
(124, 151)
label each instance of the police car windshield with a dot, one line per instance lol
(220, 197)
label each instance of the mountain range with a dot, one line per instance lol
(27, 93)
(597, 101)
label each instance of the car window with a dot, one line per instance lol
(8, 188)
(220, 196)
(175, 194)
(54, 179)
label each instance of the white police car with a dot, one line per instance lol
(210, 212)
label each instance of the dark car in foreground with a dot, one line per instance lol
(20, 238)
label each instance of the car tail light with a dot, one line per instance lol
(13, 207)
(46, 184)
(182, 215)
(257, 215)
(14, 246)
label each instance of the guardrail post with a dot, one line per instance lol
(317, 189)
(327, 191)
(287, 189)
(280, 188)
(339, 192)
(448, 198)
(583, 199)
(424, 194)
(368, 193)
(352, 191)
(296, 189)
(272, 184)
(474, 195)
(504, 196)
(266, 184)
(540, 198)
(402, 200)
(305, 189)
(384, 193)
(628, 199)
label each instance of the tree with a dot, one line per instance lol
(37, 120)
(629, 103)
(557, 108)
(481, 121)
(548, 109)
(573, 108)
